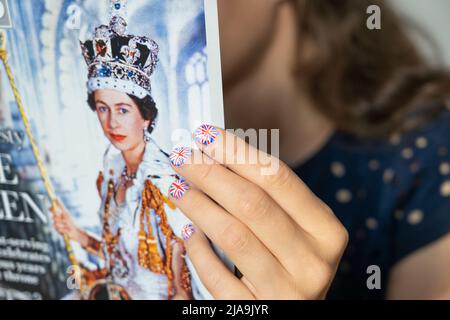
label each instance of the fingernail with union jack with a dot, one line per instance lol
(178, 188)
(206, 134)
(187, 231)
(180, 156)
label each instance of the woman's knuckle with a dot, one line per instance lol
(254, 205)
(212, 279)
(320, 274)
(324, 276)
(343, 237)
(280, 178)
(324, 273)
(337, 236)
(235, 237)
(338, 242)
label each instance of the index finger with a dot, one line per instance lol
(270, 174)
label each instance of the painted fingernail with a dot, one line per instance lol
(178, 188)
(180, 155)
(187, 231)
(206, 134)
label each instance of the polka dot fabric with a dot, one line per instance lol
(393, 197)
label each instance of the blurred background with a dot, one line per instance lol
(433, 17)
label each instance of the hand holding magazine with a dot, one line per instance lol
(88, 161)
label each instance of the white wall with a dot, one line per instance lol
(433, 16)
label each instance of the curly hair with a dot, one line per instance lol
(369, 82)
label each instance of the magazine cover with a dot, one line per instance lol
(93, 97)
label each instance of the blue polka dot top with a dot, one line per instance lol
(392, 196)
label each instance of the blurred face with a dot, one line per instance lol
(246, 29)
(120, 118)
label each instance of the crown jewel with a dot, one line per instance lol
(117, 60)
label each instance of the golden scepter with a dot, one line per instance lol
(43, 172)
